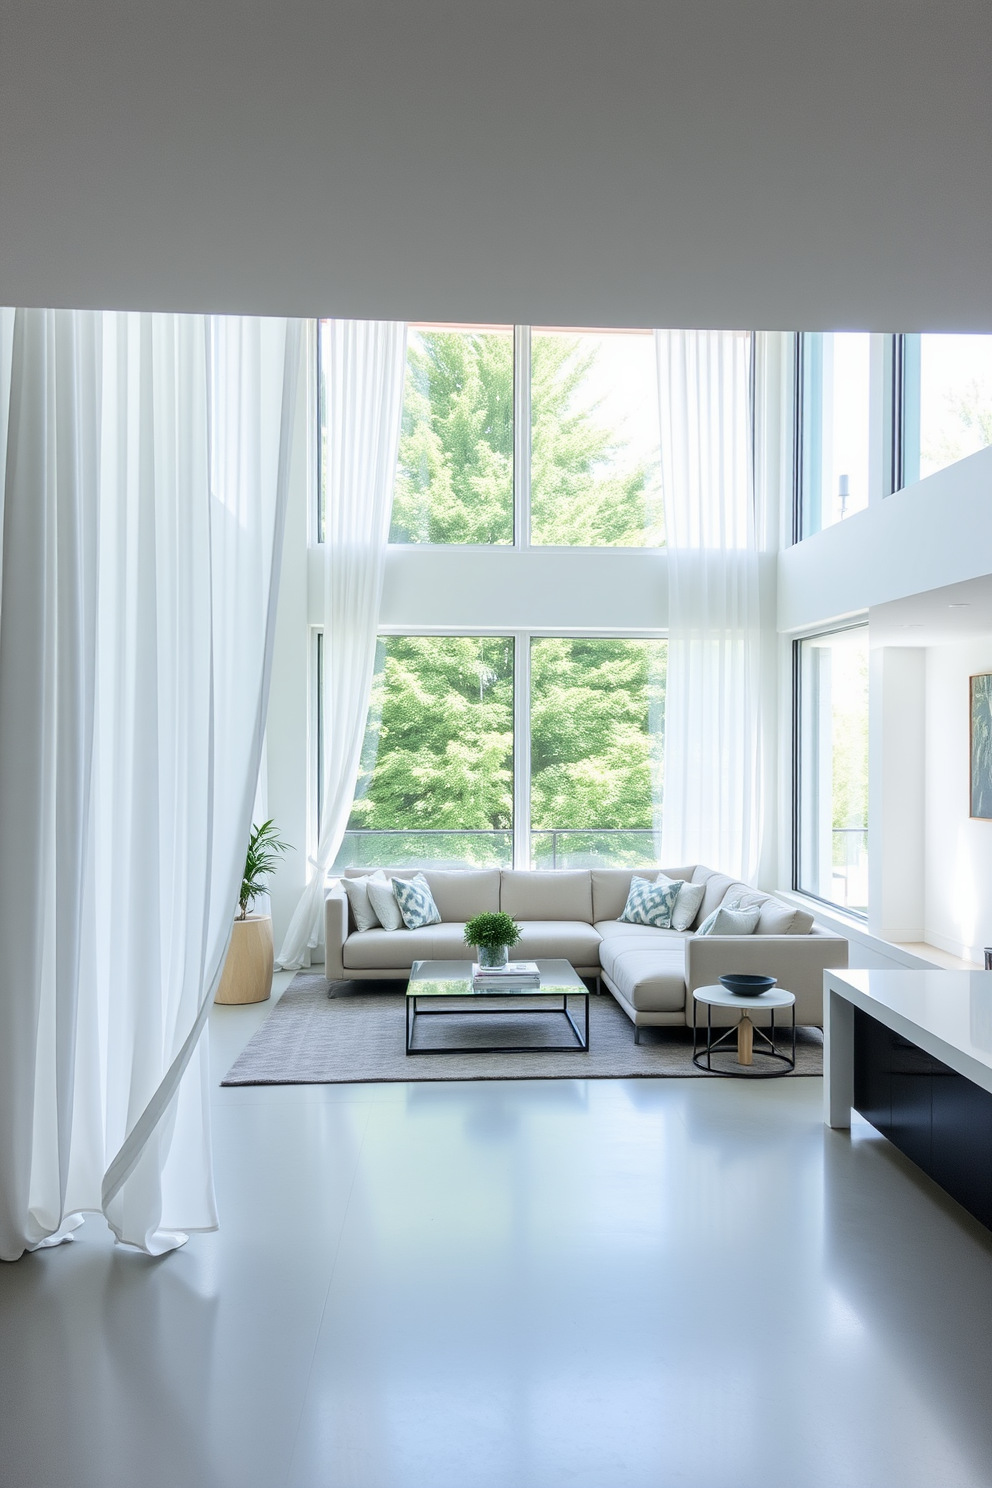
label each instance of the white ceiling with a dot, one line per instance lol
(767, 163)
(937, 618)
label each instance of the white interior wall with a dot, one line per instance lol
(958, 849)
(934, 533)
(525, 588)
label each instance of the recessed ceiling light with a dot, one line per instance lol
(960, 604)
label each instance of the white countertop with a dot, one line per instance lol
(947, 1013)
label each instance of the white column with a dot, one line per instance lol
(896, 791)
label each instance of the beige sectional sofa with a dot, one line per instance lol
(574, 913)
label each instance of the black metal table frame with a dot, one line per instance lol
(770, 1053)
(581, 1038)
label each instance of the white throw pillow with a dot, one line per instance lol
(783, 919)
(688, 902)
(383, 901)
(362, 912)
(730, 921)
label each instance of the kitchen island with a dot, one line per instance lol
(911, 1051)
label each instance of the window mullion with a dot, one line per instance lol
(521, 436)
(521, 750)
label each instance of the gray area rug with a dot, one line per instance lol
(357, 1036)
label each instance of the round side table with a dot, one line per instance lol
(746, 1031)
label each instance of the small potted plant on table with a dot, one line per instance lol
(492, 935)
(247, 974)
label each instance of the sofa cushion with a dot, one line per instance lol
(610, 887)
(396, 950)
(572, 940)
(553, 894)
(462, 893)
(649, 973)
(783, 919)
(619, 929)
(718, 886)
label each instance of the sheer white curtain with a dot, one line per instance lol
(145, 474)
(364, 363)
(712, 807)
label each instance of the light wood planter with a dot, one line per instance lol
(247, 974)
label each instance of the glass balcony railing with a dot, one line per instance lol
(449, 847)
(572, 847)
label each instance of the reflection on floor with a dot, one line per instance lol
(516, 1285)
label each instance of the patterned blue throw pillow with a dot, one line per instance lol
(416, 902)
(651, 903)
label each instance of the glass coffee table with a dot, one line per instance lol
(433, 984)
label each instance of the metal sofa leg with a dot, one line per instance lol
(637, 1033)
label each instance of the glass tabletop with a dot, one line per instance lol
(454, 979)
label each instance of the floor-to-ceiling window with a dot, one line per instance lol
(832, 768)
(517, 746)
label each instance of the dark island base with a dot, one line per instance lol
(938, 1118)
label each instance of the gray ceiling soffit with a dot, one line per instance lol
(767, 163)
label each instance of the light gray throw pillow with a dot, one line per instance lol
(730, 921)
(688, 902)
(383, 901)
(362, 912)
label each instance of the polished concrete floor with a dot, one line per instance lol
(595, 1284)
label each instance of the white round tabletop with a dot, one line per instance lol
(718, 996)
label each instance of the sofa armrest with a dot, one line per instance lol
(335, 933)
(796, 961)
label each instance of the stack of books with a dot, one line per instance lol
(521, 976)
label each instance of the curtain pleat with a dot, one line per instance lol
(363, 371)
(712, 807)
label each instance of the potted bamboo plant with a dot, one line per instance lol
(247, 974)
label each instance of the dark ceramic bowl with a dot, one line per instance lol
(747, 986)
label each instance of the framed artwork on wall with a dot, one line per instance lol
(981, 746)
